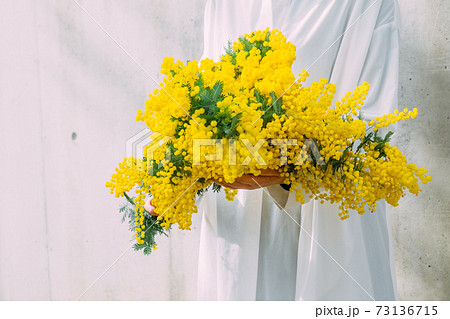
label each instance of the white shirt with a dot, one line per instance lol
(250, 249)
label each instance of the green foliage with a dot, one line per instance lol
(152, 226)
(372, 138)
(247, 47)
(229, 51)
(269, 108)
(207, 99)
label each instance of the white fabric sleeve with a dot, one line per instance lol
(279, 195)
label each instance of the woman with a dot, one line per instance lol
(264, 245)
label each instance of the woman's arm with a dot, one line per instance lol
(268, 177)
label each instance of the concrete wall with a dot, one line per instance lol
(68, 95)
(421, 224)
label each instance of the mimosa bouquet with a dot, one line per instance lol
(246, 113)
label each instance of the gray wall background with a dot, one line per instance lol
(68, 96)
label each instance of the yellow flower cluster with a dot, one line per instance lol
(390, 118)
(248, 112)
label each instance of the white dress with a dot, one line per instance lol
(254, 249)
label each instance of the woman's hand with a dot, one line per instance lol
(267, 177)
(148, 206)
